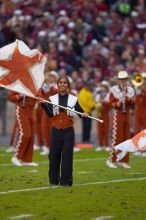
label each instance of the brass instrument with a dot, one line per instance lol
(99, 104)
(99, 108)
(101, 91)
(137, 80)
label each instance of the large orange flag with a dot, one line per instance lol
(21, 69)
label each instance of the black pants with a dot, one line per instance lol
(86, 129)
(61, 156)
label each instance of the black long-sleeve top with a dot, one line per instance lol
(62, 101)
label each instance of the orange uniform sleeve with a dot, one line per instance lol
(114, 103)
(14, 96)
(130, 101)
(39, 93)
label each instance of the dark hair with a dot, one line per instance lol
(67, 80)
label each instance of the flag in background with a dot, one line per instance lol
(21, 69)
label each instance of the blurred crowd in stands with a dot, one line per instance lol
(85, 39)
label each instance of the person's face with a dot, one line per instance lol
(63, 85)
(123, 82)
(104, 89)
(52, 79)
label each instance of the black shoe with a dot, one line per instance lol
(65, 185)
(54, 185)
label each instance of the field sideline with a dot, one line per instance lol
(98, 192)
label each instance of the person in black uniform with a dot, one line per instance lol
(62, 134)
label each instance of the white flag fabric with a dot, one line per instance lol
(124, 148)
(137, 143)
(21, 69)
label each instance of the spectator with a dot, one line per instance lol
(78, 34)
(87, 103)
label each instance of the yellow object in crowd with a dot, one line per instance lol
(86, 100)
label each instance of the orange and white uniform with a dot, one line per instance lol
(103, 128)
(38, 123)
(140, 108)
(121, 117)
(13, 137)
(26, 125)
(14, 134)
(47, 91)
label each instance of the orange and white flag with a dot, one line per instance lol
(21, 69)
(137, 143)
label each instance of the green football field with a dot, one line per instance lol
(98, 192)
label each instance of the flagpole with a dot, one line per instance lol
(45, 101)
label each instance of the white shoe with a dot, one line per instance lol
(45, 151)
(36, 147)
(123, 165)
(107, 149)
(32, 164)
(10, 149)
(100, 149)
(143, 154)
(110, 164)
(76, 149)
(137, 154)
(16, 162)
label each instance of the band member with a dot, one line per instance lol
(121, 99)
(49, 88)
(14, 138)
(102, 108)
(62, 134)
(25, 120)
(73, 91)
(38, 127)
(140, 107)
